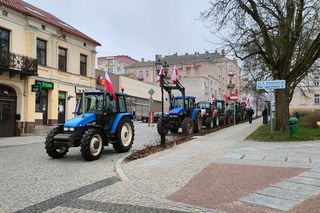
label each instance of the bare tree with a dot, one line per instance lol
(281, 37)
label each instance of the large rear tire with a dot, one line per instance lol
(124, 135)
(217, 121)
(187, 126)
(91, 144)
(209, 123)
(161, 127)
(54, 150)
(198, 123)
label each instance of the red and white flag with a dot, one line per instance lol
(174, 74)
(160, 73)
(212, 98)
(108, 85)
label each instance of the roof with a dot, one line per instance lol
(183, 59)
(187, 97)
(32, 11)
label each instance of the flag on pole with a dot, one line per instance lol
(226, 97)
(160, 73)
(108, 85)
(174, 74)
(212, 98)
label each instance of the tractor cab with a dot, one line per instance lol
(100, 119)
(182, 105)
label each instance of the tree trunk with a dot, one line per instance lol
(282, 110)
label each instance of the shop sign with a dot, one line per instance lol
(83, 89)
(35, 88)
(45, 85)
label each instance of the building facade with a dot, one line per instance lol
(115, 64)
(63, 62)
(195, 66)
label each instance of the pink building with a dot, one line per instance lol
(216, 65)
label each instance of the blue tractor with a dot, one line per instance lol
(101, 119)
(183, 113)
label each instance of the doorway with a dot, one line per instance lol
(62, 107)
(8, 103)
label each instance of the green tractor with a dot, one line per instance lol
(101, 120)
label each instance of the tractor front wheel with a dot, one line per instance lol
(125, 135)
(198, 123)
(209, 123)
(55, 150)
(187, 126)
(161, 127)
(91, 144)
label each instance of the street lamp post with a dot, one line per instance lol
(162, 75)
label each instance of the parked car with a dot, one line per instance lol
(157, 115)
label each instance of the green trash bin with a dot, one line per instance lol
(293, 125)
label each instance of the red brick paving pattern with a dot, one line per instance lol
(220, 186)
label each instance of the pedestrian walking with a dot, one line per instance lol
(265, 115)
(250, 114)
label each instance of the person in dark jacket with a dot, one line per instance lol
(265, 115)
(250, 114)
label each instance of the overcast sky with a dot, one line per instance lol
(137, 28)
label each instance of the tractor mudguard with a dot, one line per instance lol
(194, 114)
(117, 120)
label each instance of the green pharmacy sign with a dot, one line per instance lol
(45, 85)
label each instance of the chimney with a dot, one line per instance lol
(186, 54)
(207, 52)
(142, 59)
(222, 52)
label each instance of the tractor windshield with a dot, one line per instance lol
(178, 102)
(203, 105)
(93, 103)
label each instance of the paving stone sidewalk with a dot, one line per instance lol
(164, 173)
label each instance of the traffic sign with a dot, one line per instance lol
(270, 85)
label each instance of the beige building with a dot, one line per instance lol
(43, 62)
(307, 96)
(195, 66)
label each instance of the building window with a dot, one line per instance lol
(83, 65)
(4, 40)
(62, 61)
(118, 68)
(42, 52)
(316, 81)
(147, 73)
(110, 70)
(316, 99)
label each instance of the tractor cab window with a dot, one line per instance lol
(93, 103)
(219, 105)
(122, 104)
(190, 103)
(111, 106)
(178, 102)
(203, 105)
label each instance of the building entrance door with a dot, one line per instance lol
(8, 103)
(44, 105)
(62, 107)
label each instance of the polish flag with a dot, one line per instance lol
(160, 73)
(226, 97)
(212, 98)
(108, 85)
(174, 74)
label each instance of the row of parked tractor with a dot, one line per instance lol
(102, 119)
(192, 116)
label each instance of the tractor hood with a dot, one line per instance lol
(176, 111)
(80, 120)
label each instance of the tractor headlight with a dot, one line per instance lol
(66, 129)
(71, 129)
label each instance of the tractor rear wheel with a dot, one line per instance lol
(217, 121)
(124, 135)
(161, 127)
(91, 144)
(198, 123)
(187, 126)
(54, 150)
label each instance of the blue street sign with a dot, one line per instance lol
(270, 85)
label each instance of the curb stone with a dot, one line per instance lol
(123, 177)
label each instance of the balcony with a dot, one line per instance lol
(17, 64)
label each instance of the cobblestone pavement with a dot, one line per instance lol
(33, 182)
(165, 173)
